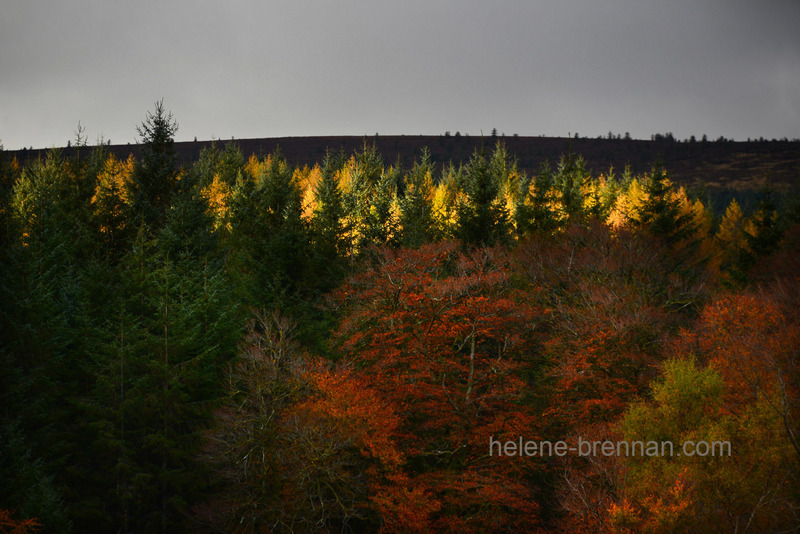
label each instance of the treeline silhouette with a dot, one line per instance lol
(718, 164)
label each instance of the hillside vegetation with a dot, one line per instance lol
(335, 341)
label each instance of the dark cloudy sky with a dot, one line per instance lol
(355, 67)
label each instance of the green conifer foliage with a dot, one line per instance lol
(482, 217)
(327, 222)
(416, 206)
(534, 212)
(269, 235)
(156, 172)
(660, 214)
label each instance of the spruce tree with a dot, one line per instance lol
(156, 173)
(369, 201)
(482, 217)
(761, 240)
(660, 215)
(269, 236)
(416, 206)
(327, 223)
(569, 180)
(533, 212)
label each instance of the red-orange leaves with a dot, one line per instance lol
(442, 336)
(9, 525)
(753, 343)
(339, 449)
(346, 403)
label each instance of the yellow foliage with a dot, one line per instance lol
(113, 189)
(217, 194)
(730, 234)
(116, 177)
(701, 218)
(345, 175)
(510, 203)
(510, 193)
(446, 197)
(702, 222)
(595, 193)
(254, 168)
(308, 179)
(427, 187)
(627, 204)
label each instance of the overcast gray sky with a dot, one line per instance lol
(354, 67)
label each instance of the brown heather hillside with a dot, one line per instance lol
(716, 164)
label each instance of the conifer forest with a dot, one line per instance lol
(239, 344)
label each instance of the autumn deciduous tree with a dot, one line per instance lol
(734, 384)
(447, 196)
(611, 304)
(752, 342)
(10, 525)
(441, 336)
(660, 490)
(730, 238)
(339, 455)
(610, 307)
(215, 173)
(721, 466)
(261, 386)
(302, 446)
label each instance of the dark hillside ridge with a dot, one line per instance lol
(716, 164)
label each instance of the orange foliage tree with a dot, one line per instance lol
(611, 305)
(10, 525)
(442, 336)
(743, 394)
(301, 445)
(752, 341)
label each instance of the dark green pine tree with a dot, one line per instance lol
(768, 231)
(269, 237)
(380, 222)
(482, 219)
(569, 180)
(365, 172)
(156, 173)
(533, 211)
(27, 487)
(416, 206)
(605, 195)
(660, 214)
(373, 189)
(169, 335)
(328, 231)
(9, 175)
(763, 241)
(46, 316)
(227, 163)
